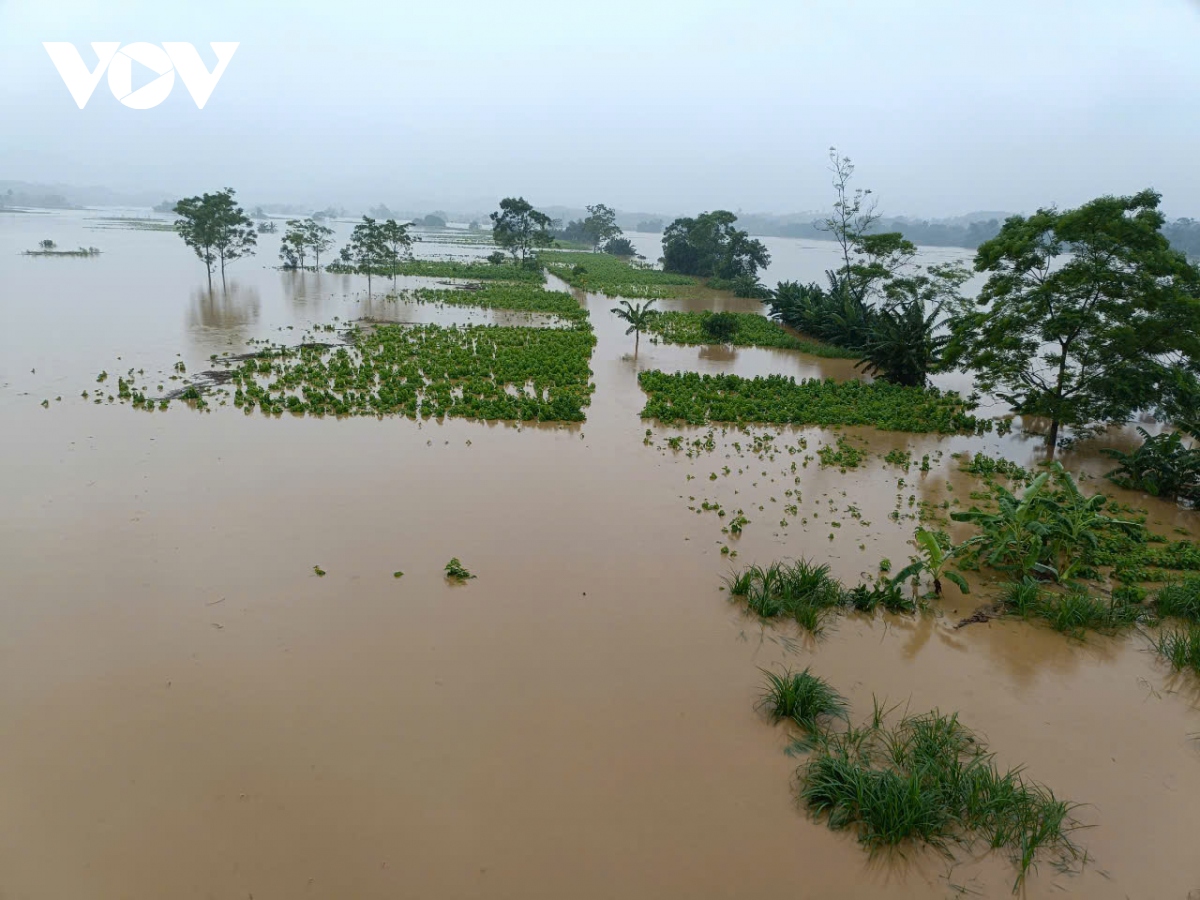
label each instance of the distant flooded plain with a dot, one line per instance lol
(189, 710)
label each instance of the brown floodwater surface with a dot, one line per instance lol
(188, 711)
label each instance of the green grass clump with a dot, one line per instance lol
(517, 297)
(474, 371)
(456, 571)
(612, 276)
(753, 330)
(1073, 612)
(1181, 648)
(800, 590)
(1180, 600)
(802, 697)
(928, 779)
(777, 399)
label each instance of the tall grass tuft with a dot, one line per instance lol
(800, 590)
(929, 779)
(802, 697)
(1180, 600)
(1074, 612)
(1180, 648)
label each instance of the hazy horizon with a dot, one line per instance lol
(670, 109)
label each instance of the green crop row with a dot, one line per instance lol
(699, 399)
(477, 371)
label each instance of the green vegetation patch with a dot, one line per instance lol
(698, 399)
(474, 371)
(752, 330)
(518, 297)
(474, 271)
(928, 779)
(612, 276)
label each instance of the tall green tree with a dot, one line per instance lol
(294, 244)
(397, 243)
(638, 316)
(710, 246)
(519, 228)
(601, 225)
(216, 228)
(1087, 316)
(368, 249)
(318, 237)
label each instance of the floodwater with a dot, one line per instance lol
(187, 711)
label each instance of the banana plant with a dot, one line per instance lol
(934, 561)
(638, 316)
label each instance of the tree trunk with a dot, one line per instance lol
(636, 337)
(223, 272)
(1052, 440)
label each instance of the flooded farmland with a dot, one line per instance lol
(189, 710)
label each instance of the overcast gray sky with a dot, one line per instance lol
(946, 106)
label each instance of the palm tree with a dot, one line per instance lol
(638, 318)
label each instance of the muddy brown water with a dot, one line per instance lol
(188, 711)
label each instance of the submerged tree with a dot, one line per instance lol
(318, 237)
(396, 241)
(638, 316)
(519, 228)
(1088, 315)
(216, 228)
(293, 244)
(368, 249)
(709, 246)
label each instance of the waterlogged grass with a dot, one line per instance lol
(801, 697)
(1180, 600)
(475, 371)
(929, 780)
(753, 330)
(801, 591)
(842, 455)
(612, 276)
(805, 593)
(516, 297)
(1180, 647)
(776, 399)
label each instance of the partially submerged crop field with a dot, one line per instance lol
(985, 663)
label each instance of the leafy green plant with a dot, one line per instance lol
(934, 560)
(1163, 466)
(456, 571)
(1048, 532)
